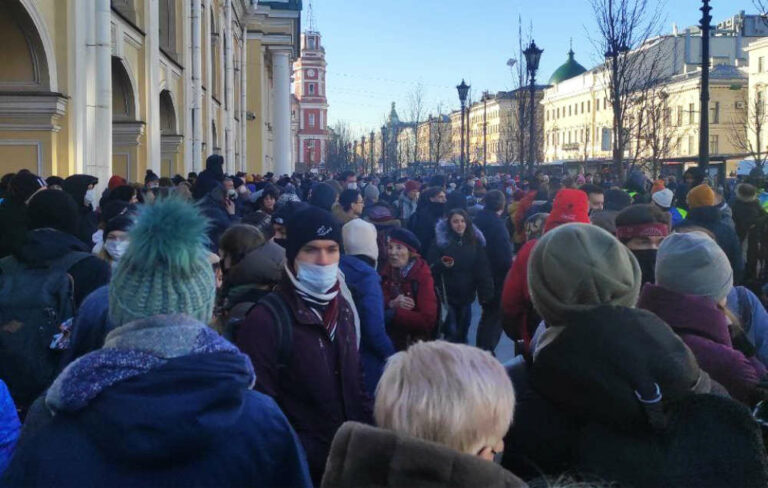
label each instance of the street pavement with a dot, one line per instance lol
(505, 351)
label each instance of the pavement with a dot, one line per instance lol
(505, 351)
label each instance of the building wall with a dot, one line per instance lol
(144, 79)
(756, 125)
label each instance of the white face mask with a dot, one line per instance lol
(351, 186)
(317, 279)
(90, 197)
(232, 193)
(116, 248)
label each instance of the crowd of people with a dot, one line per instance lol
(314, 330)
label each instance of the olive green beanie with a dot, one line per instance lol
(577, 267)
(165, 270)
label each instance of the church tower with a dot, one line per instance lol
(309, 89)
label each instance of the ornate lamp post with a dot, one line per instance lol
(372, 145)
(532, 57)
(463, 90)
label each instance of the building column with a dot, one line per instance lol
(282, 112)
(152, 56)
(197, 86)
(208, 81)
(101, 164)
(243, 102)
(229, 102)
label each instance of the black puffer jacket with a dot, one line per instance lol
(45, 245)
(579, 410)
(470, 274)
(423, 223)
(76, 186)
(745, 216)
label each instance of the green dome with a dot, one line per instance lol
(567, 71)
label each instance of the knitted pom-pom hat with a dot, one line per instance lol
(165, 269)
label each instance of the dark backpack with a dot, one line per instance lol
(281, 316)
(34, 302)
(756, 270)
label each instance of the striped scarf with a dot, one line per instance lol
(324, 305)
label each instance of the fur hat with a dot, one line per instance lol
(165, 269)
(360, 239)
(576, 267)
(746, 192)
(701, 196)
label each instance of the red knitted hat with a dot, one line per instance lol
(116, 181)
(569, 206)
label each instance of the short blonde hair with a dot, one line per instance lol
(451, 394)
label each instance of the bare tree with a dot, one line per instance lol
(657, 137)
(339, 147)
(623, 26)
(747, 128)
(439, 136)
(415, 113)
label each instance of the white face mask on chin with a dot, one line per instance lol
(317, 278)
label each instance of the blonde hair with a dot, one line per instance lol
(451, 394)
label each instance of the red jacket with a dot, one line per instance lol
(409, 326)
(516, 306)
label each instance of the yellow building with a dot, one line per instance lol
(433, 140)
(663, 119)
(100, 87)
(756, 122)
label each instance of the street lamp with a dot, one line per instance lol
(706, 19)
(372, 144)
(463, 90)
(532, 57)
(383, 148)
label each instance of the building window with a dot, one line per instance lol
(589, 107)
(582, 107)
(690, 145)
(714, 146)
(570, 111)
(691, 112)
(311, 88)
(714, 113)
(760, 64)
(312, 42)
(311, 120)
(605, 144)
(667, 116)
(679, 115)
(760, 105)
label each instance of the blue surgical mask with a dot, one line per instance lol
(317, 278)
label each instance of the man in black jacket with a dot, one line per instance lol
(499, 249)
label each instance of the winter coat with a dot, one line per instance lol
(704, 328)
(710, 218)
(10, 427)
(746, 215)
(46, 245)
(408, 326)
(518, 317)
(166, 402)
(14, 223)
(251, 279)
(407, 207)
(322, 385)
(368, 457)
(90, 327)
(424, 221)
(470, 275)
(77, 186)
(498, 246)
(375, 345)
(578, 411)
(218, 217)
(210, 177)
(753, 319)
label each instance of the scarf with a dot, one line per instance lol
(324, 305)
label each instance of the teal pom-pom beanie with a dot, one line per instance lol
(165, 269)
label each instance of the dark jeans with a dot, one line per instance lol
(463, 318)
(489, 328)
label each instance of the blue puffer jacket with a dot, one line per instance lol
(9, 427)
(753, 318)
(375, 345)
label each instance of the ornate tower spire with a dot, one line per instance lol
(311, 17)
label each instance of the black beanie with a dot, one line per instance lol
(323, 196)
(25, 184)
(309, 225)
(53, 209)
(55, 180)
(151, 176)
(121, 222)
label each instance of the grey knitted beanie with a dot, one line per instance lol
(577, 267)
(693, 264)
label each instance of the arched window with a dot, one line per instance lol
(215, 70)
(167, 114)
(23, 64)
(123, 104)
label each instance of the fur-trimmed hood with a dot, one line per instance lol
(442, 236)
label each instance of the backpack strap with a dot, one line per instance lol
(282, 318)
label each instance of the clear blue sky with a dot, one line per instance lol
(377, 50)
